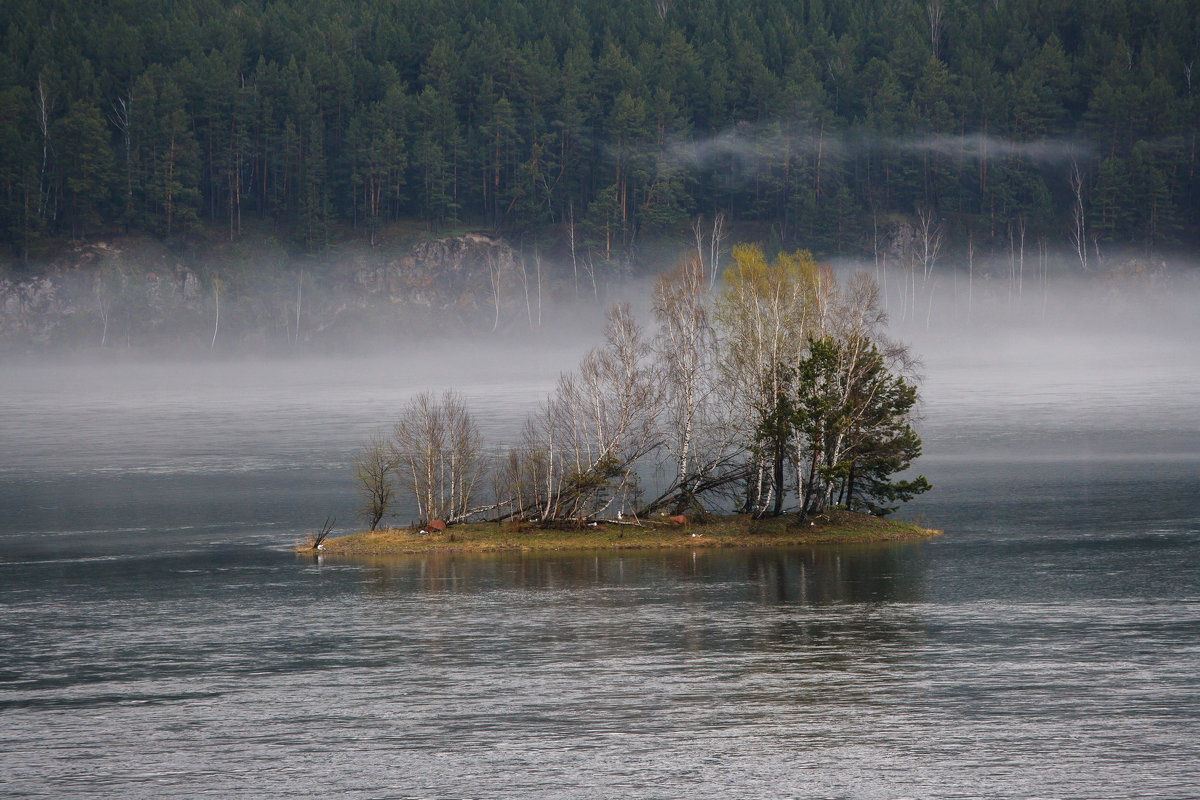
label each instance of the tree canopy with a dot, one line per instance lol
(323, 117)
(782, 391)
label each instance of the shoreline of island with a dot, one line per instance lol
(716, 531)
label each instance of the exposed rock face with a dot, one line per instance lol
(68, 301)
(140, 295)
(451, 275)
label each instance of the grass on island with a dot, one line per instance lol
(717, 531)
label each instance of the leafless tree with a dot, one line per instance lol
(929, 238)
(107, 286)
(299, 301)
(714, 247)
(438, 453)
(321, 535)
(1021, 256)
(934, 14)
(590, 267)
(45, 110)
(708, 245)
(903, 244)
(373, 466)
(1044, 269)
(697, 433)
(537, 260)
(582, 448)
(879, 278)
(1078, 231)
(1016, 257)
(970, 273)
(571, 240)
(495, 268)
(525, 286)
(122, 120)
(216, 312)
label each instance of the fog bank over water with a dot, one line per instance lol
(1088, 350)
(1081, 353)
(1068, 373)
(1088, 411)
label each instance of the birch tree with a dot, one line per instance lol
(438, 453)
(702, 451)
(765, 312)
(1078, 232)
(582, 448)
(684, 353)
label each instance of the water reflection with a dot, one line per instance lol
(787, 613)
(881, 573)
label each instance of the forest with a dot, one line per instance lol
(810, 122)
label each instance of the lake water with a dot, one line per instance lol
(159, 639)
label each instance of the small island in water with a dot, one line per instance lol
(776, 388)
(735, 530)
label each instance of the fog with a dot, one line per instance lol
(767, 144)
(1088, 346)
(1068, 371)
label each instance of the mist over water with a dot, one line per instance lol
(160, 639)
(1109, 377)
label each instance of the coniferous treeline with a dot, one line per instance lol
(811, 118)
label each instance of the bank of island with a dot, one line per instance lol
(836, 527)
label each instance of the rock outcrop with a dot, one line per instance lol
(451, 275)
(137, 294)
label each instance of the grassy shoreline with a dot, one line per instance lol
(840, 527)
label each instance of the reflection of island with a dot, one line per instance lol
(859, 574)
(797, 609)
(872, 573)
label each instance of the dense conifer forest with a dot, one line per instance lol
(813, 121)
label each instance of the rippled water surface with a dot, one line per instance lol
(159, 639)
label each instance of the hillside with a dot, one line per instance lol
(815, 124)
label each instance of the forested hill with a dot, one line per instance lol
(812, 119)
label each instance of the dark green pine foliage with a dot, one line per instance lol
(852, 419)
(810, 120)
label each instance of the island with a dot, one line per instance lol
(739, 530)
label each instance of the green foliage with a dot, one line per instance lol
(852, 418)
(798, 117)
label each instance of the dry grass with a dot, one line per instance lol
(723, 531)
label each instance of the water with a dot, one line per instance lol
(158, 637)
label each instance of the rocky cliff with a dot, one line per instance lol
(135, 294)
